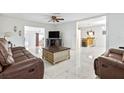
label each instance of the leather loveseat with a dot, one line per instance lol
(18, 63)
(110, 65)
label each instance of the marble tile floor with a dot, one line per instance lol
(79, 66)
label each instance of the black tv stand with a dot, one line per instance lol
(53, 42)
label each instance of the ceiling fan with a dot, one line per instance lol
(56, 19)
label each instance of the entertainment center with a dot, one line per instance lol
(50, 42)
(54, 39)
(54, 52)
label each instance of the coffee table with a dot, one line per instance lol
(56, 54)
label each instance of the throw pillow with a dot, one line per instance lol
(4, 42)
(6, 61)
(9, 60)
(5, 57)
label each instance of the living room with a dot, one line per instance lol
(61, 46)
(79, 61)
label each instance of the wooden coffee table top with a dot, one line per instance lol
(56, 49)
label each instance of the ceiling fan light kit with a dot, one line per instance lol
(56, 19)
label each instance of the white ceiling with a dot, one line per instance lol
(98, 21)
(45, 17)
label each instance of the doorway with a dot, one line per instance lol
(91, 39)
(34, 39)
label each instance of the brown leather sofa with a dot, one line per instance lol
(110, 65)
(18, 63)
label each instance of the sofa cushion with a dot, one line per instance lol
(17, 48)
(26, 52)
(17, 51)
(117, 51)
(21, 58)
(116, 56)
(30, 56)
(18, 55)
(9, 51)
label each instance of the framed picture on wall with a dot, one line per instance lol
(90, 33)
(15, 29)
(20, 33)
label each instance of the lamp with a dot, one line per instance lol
(7, 34)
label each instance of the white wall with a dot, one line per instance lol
(7, 24)
(68, 34)
(115, 30)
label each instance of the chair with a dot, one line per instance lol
(110, 65)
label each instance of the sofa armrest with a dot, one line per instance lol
(31, 68)
(106, 53)
(110, 62)
(117, 51)
(17, 48)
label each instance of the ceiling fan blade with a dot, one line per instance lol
(60, 19)
(57, 20)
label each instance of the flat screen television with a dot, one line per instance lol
(54, 34)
